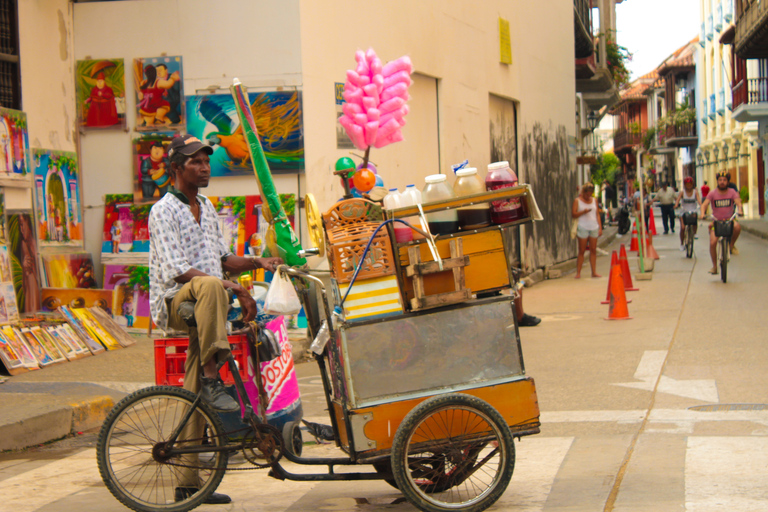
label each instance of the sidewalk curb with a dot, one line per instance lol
(55, 423)
(752, 231)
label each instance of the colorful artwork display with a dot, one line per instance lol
(14, 143)
(76, 298)
(40, 351)
(130, 305)
(118, 224)
(75, 328)
(68, 270)
(151, 175)
(100, 93)
(22, 252)
(20, 357)
(57, 197)
(159, 89)
(278, 116)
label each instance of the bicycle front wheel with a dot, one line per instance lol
(130, 454)
(724, 246)
(689, 241)
(453, 452)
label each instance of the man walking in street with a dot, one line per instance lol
(666, 199)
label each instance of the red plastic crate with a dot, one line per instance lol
(171, 354)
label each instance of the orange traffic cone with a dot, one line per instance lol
(651, 251)
(651, 223)
(628, 287)
(618, 308)
(633, 244)
(614, 261)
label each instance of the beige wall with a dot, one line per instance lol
(48, 85)
(457, 43)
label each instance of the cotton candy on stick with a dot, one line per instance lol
(376, 96)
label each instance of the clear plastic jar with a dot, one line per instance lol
(500, 175)
(477, 215)
(392, 201)
(437, 189)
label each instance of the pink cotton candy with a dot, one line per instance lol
(360, 119)
(400, 76)
(354, 132)
(365, 80)
(354, 96)
(395, 114)
(372, 91)
(388, 128)
(390, 105)
(398, 90)
(373, 114)
(379, 81)
(369, 103)
(353, 78)
(351, 109)
(401, 64)
(395, 137)
(371, 129)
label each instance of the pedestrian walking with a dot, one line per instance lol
(666, 198)
(589, 227)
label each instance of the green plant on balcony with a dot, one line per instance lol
(744, 194)
(634, 128)
(616, 57)
(648, 138)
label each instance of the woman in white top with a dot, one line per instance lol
(589, 228)
(689, 197)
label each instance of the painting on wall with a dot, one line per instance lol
(52, 298)
(68, 270)
(22, 252)
(278, 116)
(118, 224)
(3, 228)
(159, 86)
(57, 198)
(130, 305)
(14, 143)
(100, 93)
(151, 174)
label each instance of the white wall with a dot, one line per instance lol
(256, 42)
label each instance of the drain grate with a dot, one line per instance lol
(729, 407)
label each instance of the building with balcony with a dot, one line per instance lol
(731, 101)
(631, 123)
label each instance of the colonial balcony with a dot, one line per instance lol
(681, 135)
(585, 67)
(582, 24)
(750, 99)
(658, 144)
(751, 39)
(624, 140)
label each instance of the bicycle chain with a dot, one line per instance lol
(275, 444)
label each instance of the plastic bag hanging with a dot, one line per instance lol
(282, 298)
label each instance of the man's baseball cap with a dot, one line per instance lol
(187, 145)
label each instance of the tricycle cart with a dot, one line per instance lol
(423, 380)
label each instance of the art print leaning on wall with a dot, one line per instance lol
(100, 93)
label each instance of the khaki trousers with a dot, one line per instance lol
(206, 341)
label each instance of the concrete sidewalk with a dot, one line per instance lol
(44, 405)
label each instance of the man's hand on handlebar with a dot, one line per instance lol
(269, 264)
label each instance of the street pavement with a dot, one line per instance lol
(664, 411)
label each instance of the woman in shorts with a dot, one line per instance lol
(690, 201)
(589, 227)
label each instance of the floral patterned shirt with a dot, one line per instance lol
(178, 243)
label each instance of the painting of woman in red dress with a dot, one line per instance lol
(101, 93)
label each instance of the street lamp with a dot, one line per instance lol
(736, 146)
(716, 151)
(725, 152)
(700, 158)
(592, 120)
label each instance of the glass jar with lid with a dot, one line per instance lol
(437, 189)
(473, 216)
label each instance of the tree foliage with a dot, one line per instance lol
(607, 167)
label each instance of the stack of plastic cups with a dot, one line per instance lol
(392, 201)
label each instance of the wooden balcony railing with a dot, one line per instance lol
(623, 138)
(680, 131)
(750, 91)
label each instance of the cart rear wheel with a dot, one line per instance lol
(453, 452)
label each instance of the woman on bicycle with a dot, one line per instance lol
(689, 197)
(723, 200)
